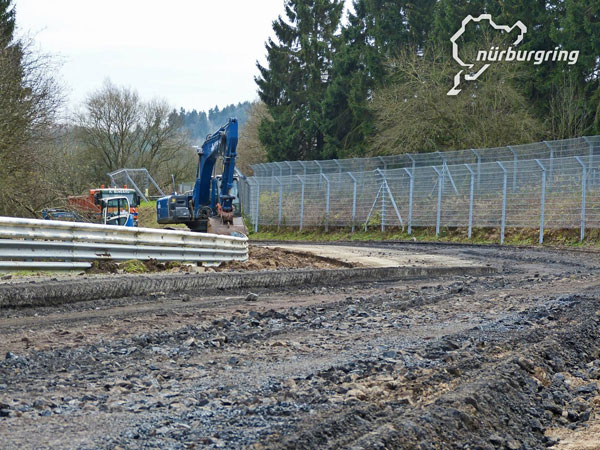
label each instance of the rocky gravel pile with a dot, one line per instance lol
(492, 362)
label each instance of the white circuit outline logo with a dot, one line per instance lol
(493, 55)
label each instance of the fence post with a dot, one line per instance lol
(551, 161)
(503, 226)
(382, 200)
(515, 164)
(439, 202)
(291, 173)
(583, 197)
(414, 163)
(326, 204)
(301, 202)
(380, 158)
(478, 167)
(353, 201)
(273, 177)
(303, 164)
(278, 179)
(471, 199)
(591, 158)
(543, 201)
(257, 205)
(441, 155)
(319, 166)
(339, 166)
(410, 199)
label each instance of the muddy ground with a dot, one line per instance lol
(260, 259)
(505, 361)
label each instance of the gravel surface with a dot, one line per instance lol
(504, 361)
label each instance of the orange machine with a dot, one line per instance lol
(91, 206)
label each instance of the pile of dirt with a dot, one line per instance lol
(103, 266)
(262, 258)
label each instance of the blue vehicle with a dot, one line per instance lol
(211, 206)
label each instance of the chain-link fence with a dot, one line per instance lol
(555, 188)
(538, 150)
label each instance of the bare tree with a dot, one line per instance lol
(250, 149)
(110, 125)
(569, 113)
(29, 100)
(120, 130)
(414, 114)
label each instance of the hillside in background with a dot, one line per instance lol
(199, 124)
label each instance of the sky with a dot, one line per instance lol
(194, 53)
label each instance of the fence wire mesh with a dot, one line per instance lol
(546, 185)
(138, 179)
(538, 150)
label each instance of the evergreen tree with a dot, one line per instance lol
(199, 124)
(296, 79)
(377, 30)
(580, 30)
(7, 22)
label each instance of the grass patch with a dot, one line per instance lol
(147, 217)
(133, 266)
(513, 236)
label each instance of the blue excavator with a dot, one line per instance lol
(213, 205)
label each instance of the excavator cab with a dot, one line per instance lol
(115, 211)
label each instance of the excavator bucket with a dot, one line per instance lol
(216, 226)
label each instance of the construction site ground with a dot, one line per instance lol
(502, 358)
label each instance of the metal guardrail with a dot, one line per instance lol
(32, 243)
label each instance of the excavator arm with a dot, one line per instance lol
(210, 206)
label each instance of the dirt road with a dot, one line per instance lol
(508, 360)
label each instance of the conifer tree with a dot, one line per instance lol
(295, 80)
(376, 31)
(7, 22)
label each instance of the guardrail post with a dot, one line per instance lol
(515, 164)
(439, 201)
(353, 201)
(382, 200)
(410, 199)
(503, 226)
(543, 201)
(326, 204)
(472, 188)
(280, 202)
(583, 197)
(551, 162)
(476, 153)
(301, 202)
